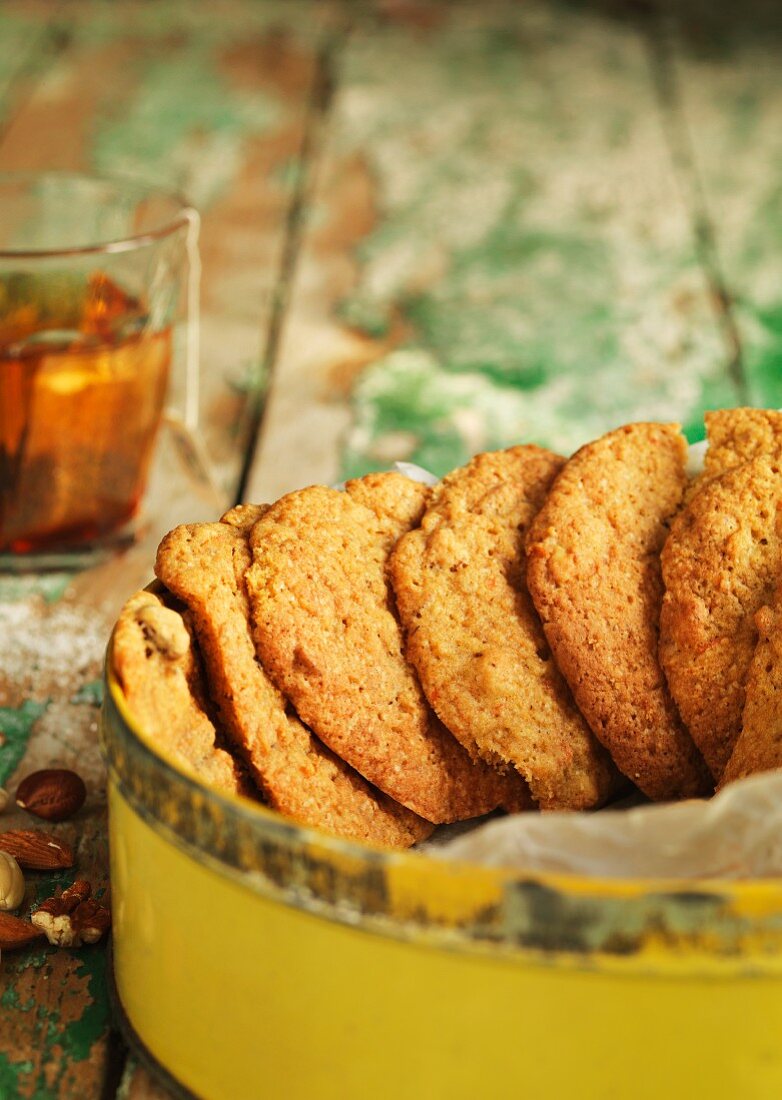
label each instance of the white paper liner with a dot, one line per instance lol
(735, 835)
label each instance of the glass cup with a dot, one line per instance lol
(98, 310)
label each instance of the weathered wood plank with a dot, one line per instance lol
(729, 98)
(55, 1018)
(214, 102)
(501, 232)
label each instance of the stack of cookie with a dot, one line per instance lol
(531, 632)
(720, 638)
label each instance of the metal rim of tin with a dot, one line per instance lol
(710, 926)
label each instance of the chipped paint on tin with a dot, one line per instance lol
(553, 920)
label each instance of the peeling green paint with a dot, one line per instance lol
(46, 883)
(90, 694)
(59, 1046)
(185, 126)
(731, 98)
(51, 586)
(407, 406)
(763, 354)
(80, 1037)
(10, 998)
(16, 724)
(531, 235)
(10, 1073)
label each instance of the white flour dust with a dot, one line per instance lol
(48, 650)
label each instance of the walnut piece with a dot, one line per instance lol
(72, 918)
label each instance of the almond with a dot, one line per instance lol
(15, 932)
(36, 851)
(53, 793)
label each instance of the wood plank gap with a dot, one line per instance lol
(320, 100)
(659, 30)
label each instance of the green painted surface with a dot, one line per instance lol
(95, 1019)
(731, 101)
(16, 724)
(187, 121)
(185, 127)
(11, 1073)
(51, 586)
(90, 693)
(532, 236)
(57, 1047)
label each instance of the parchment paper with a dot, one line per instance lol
(737, 834)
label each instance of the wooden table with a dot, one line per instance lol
(428, 229)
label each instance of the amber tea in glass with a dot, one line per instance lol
(86, 350)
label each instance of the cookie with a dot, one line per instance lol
(758, 747)
(159, 671)
(243, 517)
(327, 631)
(204, 565)
(397, 503)
(720, 566)
(739, 435)
(475, 639)
(593, 572)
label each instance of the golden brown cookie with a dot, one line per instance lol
(475, 638)
(593, 572)
(327, 631)
(204, 565)
(720, 565)
(160, 675)
(759, 744)
(396, 501)
(739, 435)
(243, 517)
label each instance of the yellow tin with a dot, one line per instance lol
(256, 958)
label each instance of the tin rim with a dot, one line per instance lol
(629, 926)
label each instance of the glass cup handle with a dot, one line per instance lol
(184, 426)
